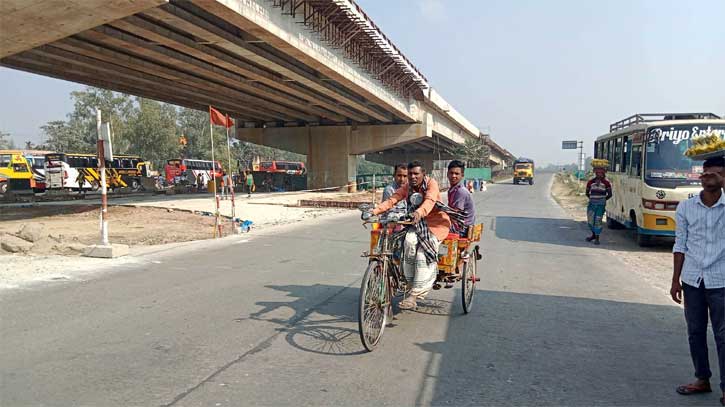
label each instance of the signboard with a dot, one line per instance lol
(106, 137)
(569, 145)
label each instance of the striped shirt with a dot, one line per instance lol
(700, 236)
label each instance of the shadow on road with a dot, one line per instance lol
(524, 349)
(322, 328)
(565, 232)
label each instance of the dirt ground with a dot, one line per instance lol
(653, 264)
(131, 226)
(564, 192)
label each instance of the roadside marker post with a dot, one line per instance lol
(105, 151)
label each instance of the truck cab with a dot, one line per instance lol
(524, 171)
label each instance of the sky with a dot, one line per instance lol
(531, 73)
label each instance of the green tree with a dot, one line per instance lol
(79, 133)
(474, 152)
(6, 142)
(66, 137)
(368, 167)
(151, 131)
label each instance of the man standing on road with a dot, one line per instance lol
(699, 273)
(250, 183)
(459, 197)
(599, 190)
(420, 250)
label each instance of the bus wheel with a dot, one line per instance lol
(613, 224)
(641, 239)
(135, 185)
(3, 187)
(531, 182)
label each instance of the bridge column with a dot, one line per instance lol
(329, 159)
(332, 151)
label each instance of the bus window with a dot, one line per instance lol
(627, 146)
(615, 165)
(5, 160)
(636, 169)
(125, 163)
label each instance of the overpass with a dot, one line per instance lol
(316, 77)
(499, 158)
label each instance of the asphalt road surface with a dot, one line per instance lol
(270, 319)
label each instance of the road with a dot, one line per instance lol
(271, 320)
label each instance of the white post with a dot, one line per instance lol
(217, 225)
(230, 173)
(374, 195)
(102, 170)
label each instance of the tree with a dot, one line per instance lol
(151, 131)
(78, 133)
(474, 152)
(6, 143)
(66, 137)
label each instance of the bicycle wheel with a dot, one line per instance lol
(374, 303)
(468, 283)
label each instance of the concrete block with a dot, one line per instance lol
(106, 252)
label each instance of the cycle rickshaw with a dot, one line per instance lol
(384, 279)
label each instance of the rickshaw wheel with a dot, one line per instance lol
(374, 305)
(468, 283)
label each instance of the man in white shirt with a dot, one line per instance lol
(699, 273)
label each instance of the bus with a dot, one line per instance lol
(524, 170)
(187, 171)
(36, 160)
(286, 167)
(15, 172)
(69, 171)
(649, 171)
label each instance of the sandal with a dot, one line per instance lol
(408, 303)
(689, 389)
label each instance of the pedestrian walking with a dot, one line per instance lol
(200, 182)
(250, 184)
(699, 273)
(599, 190)
(227, 185)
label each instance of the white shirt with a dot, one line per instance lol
(700, 235)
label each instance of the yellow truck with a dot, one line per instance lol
(524, 171)
(15, 172)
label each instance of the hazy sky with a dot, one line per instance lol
(532, 73)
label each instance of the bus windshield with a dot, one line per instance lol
(666, 164)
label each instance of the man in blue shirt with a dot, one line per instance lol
(400, 178)
(699, 272)
(458, 195)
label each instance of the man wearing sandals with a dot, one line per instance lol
(699, 273)
(420, 250)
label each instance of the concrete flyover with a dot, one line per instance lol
(500, 158)
(316, 77)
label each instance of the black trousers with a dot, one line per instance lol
(699, 303)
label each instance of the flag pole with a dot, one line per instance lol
(217, 225)
(231, 174)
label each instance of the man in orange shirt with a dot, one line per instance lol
(420, 251)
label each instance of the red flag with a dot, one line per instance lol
(218, 118)
(230, 122)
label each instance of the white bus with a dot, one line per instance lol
(63, 171)
(649, 171)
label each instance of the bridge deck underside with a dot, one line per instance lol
(191, 55)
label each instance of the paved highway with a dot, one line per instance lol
(270, 319)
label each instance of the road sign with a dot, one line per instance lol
(569, 145)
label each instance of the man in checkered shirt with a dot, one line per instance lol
(699, 272)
